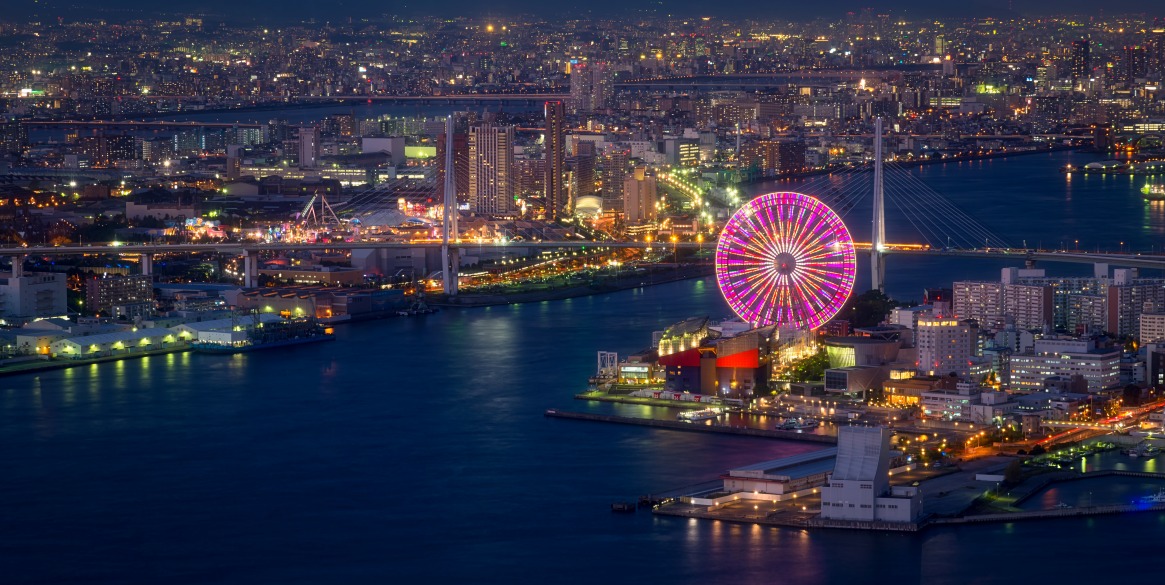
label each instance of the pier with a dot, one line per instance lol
(676, 425)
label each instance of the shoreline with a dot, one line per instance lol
(661, 276)
(676, 425)
(918, 163)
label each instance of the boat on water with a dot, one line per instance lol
(698, 415)
(1157, 498)
(1153, 192)
(798, 424)
(264, 335)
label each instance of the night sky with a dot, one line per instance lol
(339, 10)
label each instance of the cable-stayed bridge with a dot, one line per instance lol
(900, 204)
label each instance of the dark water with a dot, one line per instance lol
(1027, 201)
(415, 451)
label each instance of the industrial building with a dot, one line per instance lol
(859, 487)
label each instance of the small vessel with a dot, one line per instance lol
(698, 415)
(798, 424)
(623, 507)
(1063, 506)
(1157, 498)
(1153, 192)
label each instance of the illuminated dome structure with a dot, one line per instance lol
(785, 259)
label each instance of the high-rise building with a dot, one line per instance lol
(555, 146)
(1155, 49)
(583, 166)
(309, 147)
(591, 86)
(531, 173)
(639, 196)
(1081, 60)
(460, 164)
(1135, 63)
(1029, 304)
(978, 300)
(13, 137)
(945, 345)
(491, 168)
(129, 296)
(615, 163)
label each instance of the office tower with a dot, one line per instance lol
(309, 147)
(1081, 61)
(491, 168)
(555, 143)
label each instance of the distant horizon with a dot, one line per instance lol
(292, 11)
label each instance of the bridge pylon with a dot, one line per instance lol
(450, 261)
(878, 237)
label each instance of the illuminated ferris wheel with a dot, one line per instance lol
(785, 258)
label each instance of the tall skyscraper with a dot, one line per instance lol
(555, 143)
(583, 165)
(1135, 63)
(1155, 47)
(614, 172)
(591, 86)
(491, 168)
(460, 163)
(309, 147)
(1081, 60)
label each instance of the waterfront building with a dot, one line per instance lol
(1053, 357)
(112, 344)
(903, 392)
(120, 296)
(859, 487)
(491, 169)
(782, 477)
(945, 346)
(25, 297)
(554, 143)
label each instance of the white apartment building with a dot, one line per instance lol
(945, 345)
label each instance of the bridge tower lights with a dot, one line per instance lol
(878, 237)
(450, 264)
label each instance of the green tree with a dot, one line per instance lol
(1014, 473)
(809, 369)
(867, 309)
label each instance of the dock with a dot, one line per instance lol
(676, 425)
